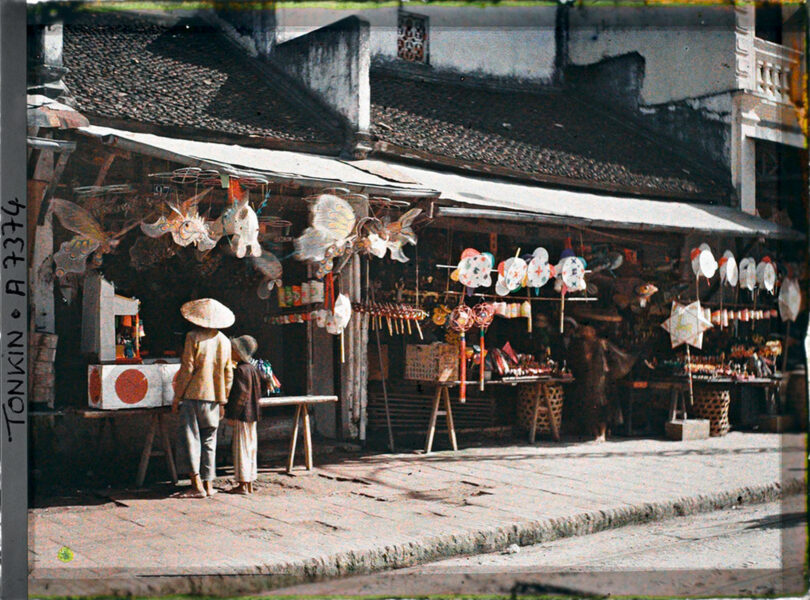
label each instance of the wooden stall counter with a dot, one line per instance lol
(302, 403)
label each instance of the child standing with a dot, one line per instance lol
(242, 412)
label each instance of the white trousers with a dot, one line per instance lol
(245, 449)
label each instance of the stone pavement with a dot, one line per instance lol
(361, 513)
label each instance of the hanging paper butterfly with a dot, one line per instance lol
(333, 222)
(392, 236)
(185, 224)
(91, 238)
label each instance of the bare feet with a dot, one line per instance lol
(192, 493)
(240, 488)
(209, 488)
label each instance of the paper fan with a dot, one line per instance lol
(333, 217)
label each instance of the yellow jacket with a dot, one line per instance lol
(206, 372)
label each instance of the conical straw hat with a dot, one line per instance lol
(207, 312)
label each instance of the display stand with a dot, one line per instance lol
(301, 403)
(540, 402)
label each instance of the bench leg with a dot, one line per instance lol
(433, 415)
(555, 430)
(147, 451)
(307, 438)
(294, 440)
(167, 448)
(535, 412)
(451, 428)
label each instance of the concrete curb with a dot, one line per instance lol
(494, 539)
(264, 578)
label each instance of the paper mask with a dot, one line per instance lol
(728, 269)
(748, 274)
(474, 269)
(511, 275)
(539, 271)
(766, 274)
(703, 262)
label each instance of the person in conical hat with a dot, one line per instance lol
(243, 412)
(201, 390)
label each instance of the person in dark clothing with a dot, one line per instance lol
(588, 362)
(242, 412)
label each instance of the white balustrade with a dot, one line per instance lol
(775, 65)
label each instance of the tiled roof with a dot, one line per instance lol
(552, 136)
(186, 75)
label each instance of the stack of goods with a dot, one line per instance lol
(506, 363)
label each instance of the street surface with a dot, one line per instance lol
(363, 513)
(749, 537)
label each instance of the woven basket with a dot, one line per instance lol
(431, 362)
(525, 405)
(712, 404)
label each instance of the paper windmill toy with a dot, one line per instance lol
(686, 324)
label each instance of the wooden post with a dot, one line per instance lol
(293, 440)
(167, 448)
(451, 428)
(307, 438)
(147, 450)
(433, 415)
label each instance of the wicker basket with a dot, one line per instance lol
(431, 362)
(525, 405)
(712, 403)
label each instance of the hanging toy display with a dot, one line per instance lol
(401, 314)
(239, 222)
(570, 277)
(511, 275)
(270, 268)
(185, 224)
(539, 271)
(766, 275)
(387, 236)
(333, 221)
(91, 238)
(461, 320)
(748, 274)
(483, 314)
(474, 269)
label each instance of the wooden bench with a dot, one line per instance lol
(156, 428)
(302, 403)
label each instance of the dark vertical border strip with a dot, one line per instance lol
(13, 301)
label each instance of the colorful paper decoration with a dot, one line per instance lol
(474, 268)
(766, 274)
(729, 274)
(538, 270)
(790, 299)
(571, 274)
(748, 274)
(185, 224)
(703, 262)
(239, 222)
(511, 275)
(271, 271)
(72, 255)
(686, 324)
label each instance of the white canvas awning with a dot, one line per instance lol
(277, 165)
(504, 200)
